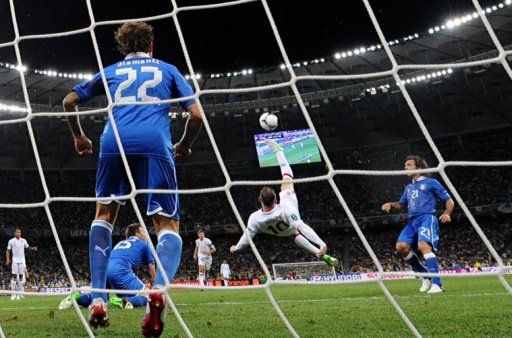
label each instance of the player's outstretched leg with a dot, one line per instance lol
(307, 236)
(168, 250)
(100, 246)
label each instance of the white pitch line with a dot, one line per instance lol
(313, 300)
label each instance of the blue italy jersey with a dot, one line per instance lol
(422, 195)
(130, 254)
(144, 129)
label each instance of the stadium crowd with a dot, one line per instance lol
(459, 244)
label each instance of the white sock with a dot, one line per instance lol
(310, 234)
(21, 286)
(13, 287)
(286, 170)
(302, 242)
(201, 279)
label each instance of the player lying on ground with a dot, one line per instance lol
(127, 256)
(17, 246)
(203, 255)
(146, 139)
(422, 231)
(283, 219)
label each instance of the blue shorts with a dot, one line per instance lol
(124, 280)
(423, 228)
(148, 173)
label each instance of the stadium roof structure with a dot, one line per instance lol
(348, 114)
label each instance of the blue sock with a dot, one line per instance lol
(415, 262)
(138, 301)
(84, 300)
(100, 246)
(168, 250)
(433, 266)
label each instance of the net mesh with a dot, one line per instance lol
(291, 83)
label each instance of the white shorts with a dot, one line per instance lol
(18, 268)
(225, 276)
(205, 261)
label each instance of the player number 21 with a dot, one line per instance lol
(142, 90)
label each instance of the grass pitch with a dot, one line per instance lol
(470, 307)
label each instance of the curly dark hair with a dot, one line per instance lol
(133, 37)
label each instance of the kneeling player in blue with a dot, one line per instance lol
(145, 135)
(127, 256)
(422, 231)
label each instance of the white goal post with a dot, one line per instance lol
(302, 270)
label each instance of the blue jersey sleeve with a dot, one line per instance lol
(89, 89)
(440, 192)
(403, 199)
(181, 88)
(149, 255)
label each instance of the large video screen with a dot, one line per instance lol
(299, 147)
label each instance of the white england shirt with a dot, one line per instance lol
(204, 247)
(17, 248)
(281, 221)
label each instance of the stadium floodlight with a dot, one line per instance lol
(337, 55)
(244, 72)
(282, 66)
(508, 2)
(249, 71)
(343, 55)
(431, 31)
(322, 60)
(305, 63)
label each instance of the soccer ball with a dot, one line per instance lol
(268, 121)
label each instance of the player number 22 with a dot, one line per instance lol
(142, 90)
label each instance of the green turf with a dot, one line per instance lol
(470, 307)
(294, 156)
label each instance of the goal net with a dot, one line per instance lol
(306, 271)
(393, 72)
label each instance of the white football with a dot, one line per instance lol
(268, 121)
